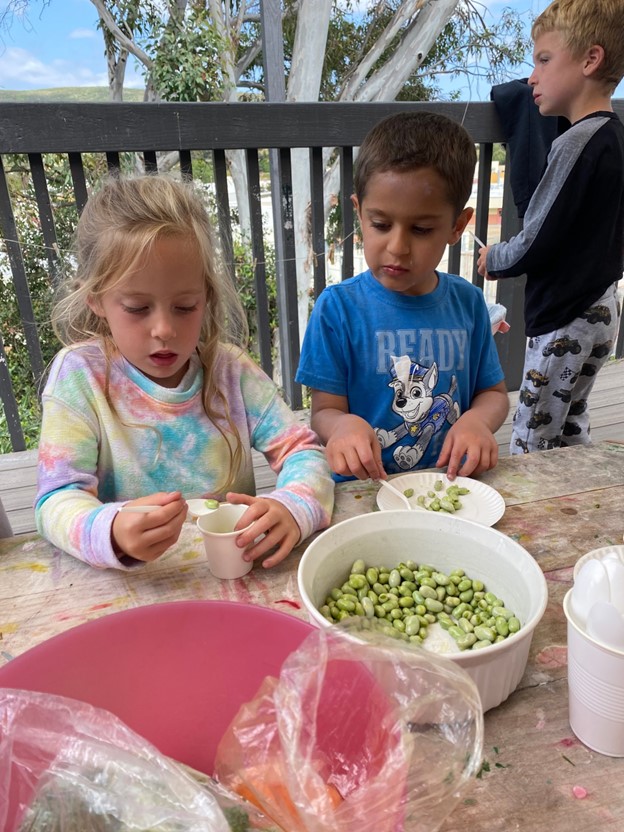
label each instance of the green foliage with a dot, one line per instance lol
(38, 266)
(244, 268)
(498, 153)
(187, 66)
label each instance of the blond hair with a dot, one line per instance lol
(586, 23)
(116, 231)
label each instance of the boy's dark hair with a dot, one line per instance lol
(409, 141)
(585, 23)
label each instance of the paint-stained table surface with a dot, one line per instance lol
(536, 775)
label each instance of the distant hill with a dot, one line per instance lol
(78, 94)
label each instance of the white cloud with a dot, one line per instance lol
(19, 69)
(78, 34)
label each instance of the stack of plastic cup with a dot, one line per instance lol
(595, 679)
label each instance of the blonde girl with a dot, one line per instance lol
(153, 400)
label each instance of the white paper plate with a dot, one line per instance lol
(483, 504)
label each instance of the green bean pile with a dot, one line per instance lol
(448, 501)
(409, 597)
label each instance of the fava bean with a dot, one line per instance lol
(371, 575)
(433, 605)
(484, 633)
(410, 597)
(502, 627)
(395, 578)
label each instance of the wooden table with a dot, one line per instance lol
(560, 504)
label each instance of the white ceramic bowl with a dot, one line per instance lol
(387, 537)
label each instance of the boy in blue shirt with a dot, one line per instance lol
(572, 244)
(400, 359)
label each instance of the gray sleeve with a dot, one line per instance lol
(555, 196)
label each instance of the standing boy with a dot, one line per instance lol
(400, 359)
(572, 244)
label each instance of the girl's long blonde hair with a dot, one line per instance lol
(117, 228)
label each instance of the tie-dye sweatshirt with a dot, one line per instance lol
(93, 456)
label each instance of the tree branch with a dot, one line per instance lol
(124, 41)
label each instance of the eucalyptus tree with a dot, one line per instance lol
(334, 50)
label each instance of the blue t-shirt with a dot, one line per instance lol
(409, 365)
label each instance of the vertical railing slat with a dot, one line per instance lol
(186, 164)
(317, 200)
(46, 218)
(223, 205)
(346, 207)
(78, 180)
(113, 162)
(482, 211)
(286, 272)
(9, 403)
(454, 258)
(259, 262)
(20, 281)
(150, 161)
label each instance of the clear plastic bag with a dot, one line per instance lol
(66, 766)
(360, 731)
(497, 313)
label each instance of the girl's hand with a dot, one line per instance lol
(270, 518)
(147, 536)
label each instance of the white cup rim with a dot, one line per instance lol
(225, 534)
(236, 532)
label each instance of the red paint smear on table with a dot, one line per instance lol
(294, 604)
(556, 655)
(100, 606)
(568, 742)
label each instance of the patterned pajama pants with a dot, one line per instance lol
(560, 369)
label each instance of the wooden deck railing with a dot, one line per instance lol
(110, 130)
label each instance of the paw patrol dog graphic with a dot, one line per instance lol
(423, 414)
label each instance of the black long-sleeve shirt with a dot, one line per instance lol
(572, 244)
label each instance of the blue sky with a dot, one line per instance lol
(58, 45)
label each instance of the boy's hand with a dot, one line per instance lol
(269, 518)
(482, 263)
(147, 536)
(472, 441)
(354, 450)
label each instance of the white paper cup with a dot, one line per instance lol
(595, 689)
(225, 558)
